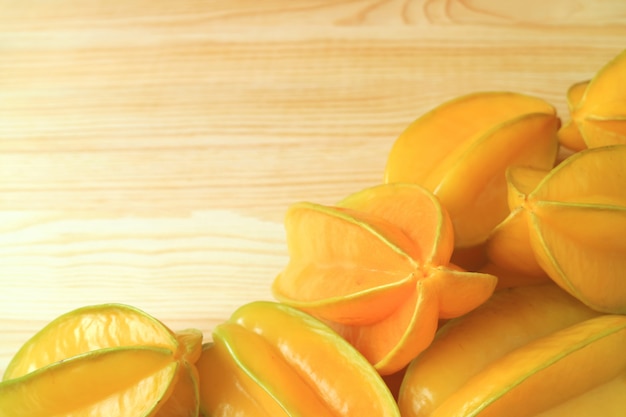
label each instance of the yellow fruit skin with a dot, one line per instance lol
(88, 329)
(105, 342)
(603, 400)
(465, 346)
(473, 189)
(588, 260)
(184, 400)
(569, 135)
(577, 221)
(571, 226)
(125, 382)
(451, 124)
(376, 268)
(416, 212)
(509, 246)
(271, 359)
(546, 372)
(508, 278)
(461, 149)
(601, 112)
(344, 264)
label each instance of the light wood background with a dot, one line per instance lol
(149, 148)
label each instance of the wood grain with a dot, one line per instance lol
(149, 148)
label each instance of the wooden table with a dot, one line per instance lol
(149, 148)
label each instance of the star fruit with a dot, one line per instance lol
(528, 351)
(570, 223)
(460, 151)
(569, 135)
(104, 360)
(272, 360)
(600, 111)
(376, 268)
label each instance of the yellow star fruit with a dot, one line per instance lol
(104, 360)
(376, 268)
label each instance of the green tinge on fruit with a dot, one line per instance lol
(88, 329)
(265, 365)
(523, 382)
(589, 259)
(415, 211)
(125, 382)
(467, 345)
(76, 344)
(318, 355)
(276, 360)
(377, 268)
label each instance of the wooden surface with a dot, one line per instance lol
(149, 148)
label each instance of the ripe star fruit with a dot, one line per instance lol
(461, 149)
(104, 360)
(569, 135)
(600, 111)
(466, 346)
(509, 245)
(376, 268)
(570, 222)
(272, 360)
(528, 351)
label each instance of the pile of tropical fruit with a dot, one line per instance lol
(484, 276)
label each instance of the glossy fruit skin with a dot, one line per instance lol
(376, 267)
(574, 359)
(570, 224)
(532, 349)
(569, 135)
(460, 150)
(508, 246)
(482, 362)
(143, 375)
(87, 329)
(142, 367)
(600, 113)
(270, 359)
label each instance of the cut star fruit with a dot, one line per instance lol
(272, 360)
(140, 367)
(571, 225)
(461, 149)
(376, 268)
(600, 112)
